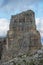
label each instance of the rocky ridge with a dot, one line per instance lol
(29, 59)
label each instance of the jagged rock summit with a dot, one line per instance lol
(22, 36)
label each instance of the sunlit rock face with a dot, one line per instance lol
(22, 36)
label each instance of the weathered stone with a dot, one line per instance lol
(2, 44)
(22, 36)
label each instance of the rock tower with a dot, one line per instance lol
(22, 36)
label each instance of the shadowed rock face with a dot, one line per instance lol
(22, 36)
(2, 43)
(1, 48)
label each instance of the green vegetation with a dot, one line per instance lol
(19, 64)
(41, 62)
(31, 63)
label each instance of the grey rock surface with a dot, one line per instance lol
(22, 37)
(24, 59)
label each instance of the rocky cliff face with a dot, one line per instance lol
(2, 44)
(23, 33)
(22, 36)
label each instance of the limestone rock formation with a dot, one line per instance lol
(22, 36)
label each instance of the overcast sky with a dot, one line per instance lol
(12, 7)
